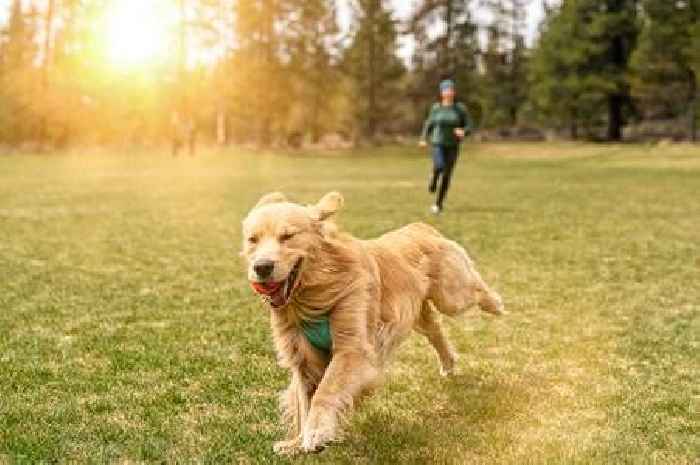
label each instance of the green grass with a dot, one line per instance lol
(128, 333)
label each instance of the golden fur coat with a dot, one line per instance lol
(374, 292)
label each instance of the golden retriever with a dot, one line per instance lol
(365, 296)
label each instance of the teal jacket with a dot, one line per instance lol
(439, 128)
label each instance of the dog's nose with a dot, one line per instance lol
(263, 268)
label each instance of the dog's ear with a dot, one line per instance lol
(273, 197)
(327, 206)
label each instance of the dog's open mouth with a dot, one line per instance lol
(277, 294)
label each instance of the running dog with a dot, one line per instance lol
(341, 305)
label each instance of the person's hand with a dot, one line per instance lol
(459, 132)
(423, 143)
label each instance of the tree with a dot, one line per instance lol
(219, 16)
(617, 22)
(373, 65)
(262, 87)
(46, 65)
(580, 64)
(559, 86)
(446, 46)
(18, 77)
(505, 62)
(665, 80)
(313, 48)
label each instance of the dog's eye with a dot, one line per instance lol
(252, 240)
(286, 236)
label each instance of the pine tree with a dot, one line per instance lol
(665, 79)
(450, 53)
(313, 50)
(556, 67)
(618, 22)
(580, 66)
(373, 65)
(505, 62)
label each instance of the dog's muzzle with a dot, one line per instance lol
(278, 294)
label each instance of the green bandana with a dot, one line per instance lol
(318, 333)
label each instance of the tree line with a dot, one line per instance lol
(284, 72)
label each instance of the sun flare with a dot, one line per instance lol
(138, 32)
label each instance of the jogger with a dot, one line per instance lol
(446, 126)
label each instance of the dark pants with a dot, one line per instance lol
(444, 160)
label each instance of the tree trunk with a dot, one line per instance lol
(316, 89)
(48, 36)
(182, 37)
(692, 105)
(371, 71)
(183, 113)
(269, 47)
(315, 124)
(45, 81)
(618, 56)
(221, 127)
(221, 116)
(615, 103)
(573, 125)
(449, 65)
(693, 121)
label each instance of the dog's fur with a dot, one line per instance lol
(374, 292)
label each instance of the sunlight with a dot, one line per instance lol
(138, 32)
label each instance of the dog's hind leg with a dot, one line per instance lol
(429, 325)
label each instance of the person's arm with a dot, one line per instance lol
(466, 124)
(427, 126)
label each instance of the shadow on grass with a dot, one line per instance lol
(451, 418)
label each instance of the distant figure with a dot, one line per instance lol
(447, 125)
(183, 133)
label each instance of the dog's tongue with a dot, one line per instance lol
(266, 288)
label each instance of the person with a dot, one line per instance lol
(183, 132)
(445, 128)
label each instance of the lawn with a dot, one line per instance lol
(128, 332)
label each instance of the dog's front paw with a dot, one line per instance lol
(446, 372)
(319, 431)
(288, 447)
(316, 440)
(447, 365)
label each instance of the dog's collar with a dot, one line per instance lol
(318, 333)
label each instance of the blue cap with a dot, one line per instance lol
(447, 84)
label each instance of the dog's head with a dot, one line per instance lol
(278, 236)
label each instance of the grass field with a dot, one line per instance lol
(128, 333)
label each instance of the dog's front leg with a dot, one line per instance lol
(347, 376)
(351, 371)
(295, 404)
